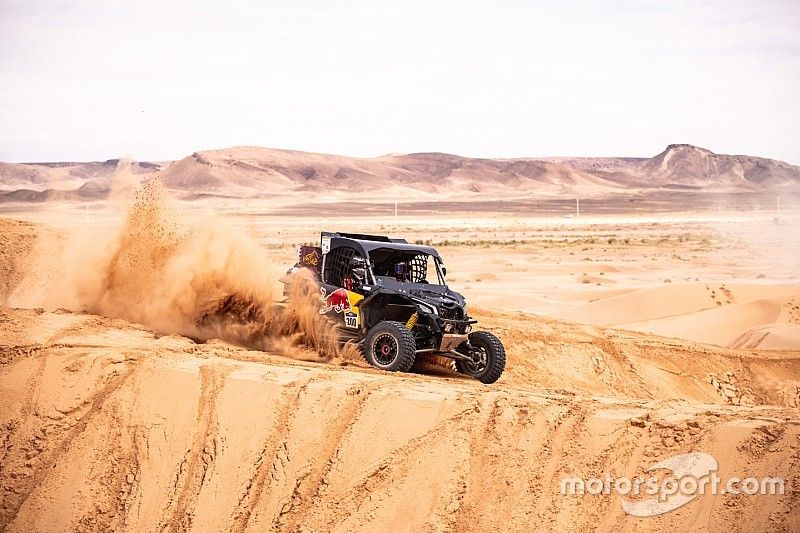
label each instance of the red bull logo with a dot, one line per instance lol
(336, 301)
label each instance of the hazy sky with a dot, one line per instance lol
(94, 80)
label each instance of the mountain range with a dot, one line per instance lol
(253, 172)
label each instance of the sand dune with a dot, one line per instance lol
(17, 241)
(113, 418)
(106, 425)
(720, 326)
(722, 314)
(770, 337)
(674, 300)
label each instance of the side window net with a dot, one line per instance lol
(337, 265)
(419, 268)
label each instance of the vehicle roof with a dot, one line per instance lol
(368, 243)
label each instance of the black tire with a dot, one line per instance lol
(390, 346)
(492, 368)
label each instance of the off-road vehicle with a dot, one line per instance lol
(391, 298)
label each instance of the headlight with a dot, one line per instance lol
(427, 308)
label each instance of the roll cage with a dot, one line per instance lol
(391, 262)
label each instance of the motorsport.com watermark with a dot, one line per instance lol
(692, 474)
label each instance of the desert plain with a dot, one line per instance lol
(648, 307)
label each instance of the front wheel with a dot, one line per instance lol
(488, 357)
(390, 346)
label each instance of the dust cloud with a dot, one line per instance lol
(179, 272)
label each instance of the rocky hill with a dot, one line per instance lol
(248, 172)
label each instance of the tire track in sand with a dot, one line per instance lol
(199, 460)
(20, 489)
(382, 474)
(563, 444)
(8, 432)
(271, 458)
(507, 446)
(309, 490)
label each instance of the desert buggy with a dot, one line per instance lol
(391, 298)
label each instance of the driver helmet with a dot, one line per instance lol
(358, 265)
(401, 271)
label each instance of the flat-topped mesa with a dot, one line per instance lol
(672, 147)
(702, 169)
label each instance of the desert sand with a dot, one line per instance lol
(130, 400)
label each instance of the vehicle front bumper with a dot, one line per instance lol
(450, 341)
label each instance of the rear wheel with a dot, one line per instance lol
(390, 346)
(488, 357)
